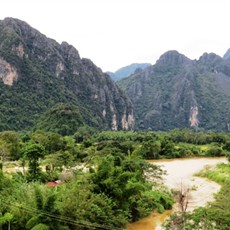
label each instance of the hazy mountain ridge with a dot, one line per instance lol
(48, 85)
(178, 92)
(127, 70)
(38, 73)
(227, 54)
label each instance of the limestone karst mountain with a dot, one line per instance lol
(178, 92)
(47, 85)
(40, 76)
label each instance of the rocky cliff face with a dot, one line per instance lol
(178, 92)
(8, 73)
(37, 73)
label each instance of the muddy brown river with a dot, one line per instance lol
(180, 175)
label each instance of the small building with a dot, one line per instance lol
(53, 183)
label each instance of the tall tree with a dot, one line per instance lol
(12, 142)
(34, 152)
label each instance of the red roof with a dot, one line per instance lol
(52, 184)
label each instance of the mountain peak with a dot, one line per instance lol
(178, 92)
(70, 52)
(16, 25)
(209, 57)
(10, 20)
(172, 57)
(227, 55)
(49, 73)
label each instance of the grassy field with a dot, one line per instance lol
(219, 174)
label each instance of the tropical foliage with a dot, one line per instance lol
(105, 180)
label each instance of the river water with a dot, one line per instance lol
(180, 176)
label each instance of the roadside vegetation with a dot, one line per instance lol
(101, 180)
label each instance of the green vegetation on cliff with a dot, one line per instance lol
(178, 92)
(38, 76)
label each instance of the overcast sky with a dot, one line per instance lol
(116, 33)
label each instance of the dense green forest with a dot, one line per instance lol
(103, 180)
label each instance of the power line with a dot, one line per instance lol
(63, 218)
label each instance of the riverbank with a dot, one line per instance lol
(180, 175)
(150, 222)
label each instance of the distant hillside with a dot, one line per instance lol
(47, 85)
(227, 54)
(127, 71)
(178, 92)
